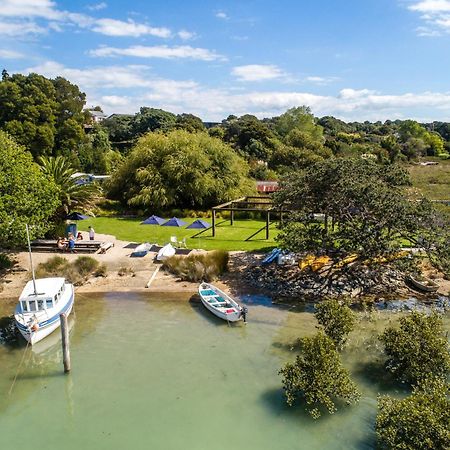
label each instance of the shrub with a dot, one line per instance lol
(101, 271)
(337, 319)
(5, 261)
(318, 377)
(198, 267)
(123, 271)
(85, 265)
(420, 421)
(417, 348)
(76, 273)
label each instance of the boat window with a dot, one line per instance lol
(24, 306)
(31, 305)
(56, 299)
(49, 303)
(40, 304)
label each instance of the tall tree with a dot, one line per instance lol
(179, 169)
(73, 194)
(27, 196)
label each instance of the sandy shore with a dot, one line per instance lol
(140, 271)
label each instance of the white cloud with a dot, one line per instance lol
(128, 87)
(97, 6)
(112, 27)
(435, 14)
(159, 51)
(222, 15)
(321, 81)
(187, 35)
(257, 72)
(20, 28)
(10, 54)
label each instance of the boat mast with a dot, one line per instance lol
(31, 260)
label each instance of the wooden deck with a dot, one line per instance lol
(81, 246)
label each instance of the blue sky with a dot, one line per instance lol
(356, 60)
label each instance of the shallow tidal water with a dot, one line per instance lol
(160, 372)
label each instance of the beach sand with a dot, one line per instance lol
(116, 258)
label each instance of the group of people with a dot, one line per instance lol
(68, 244)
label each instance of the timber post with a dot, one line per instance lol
(267, 224)
(213, 222)
(65, 342)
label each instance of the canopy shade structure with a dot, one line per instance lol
(153, 220)
(173, 222)
(199, 223)
(76, 216)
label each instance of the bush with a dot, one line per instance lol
(77, 272)
(101, 271)
(85, 265)
(337, 319)
(318, 377)
(417, 348)
(5, 261)
(198, 267)
(420, 421)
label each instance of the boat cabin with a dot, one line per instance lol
(49, 292)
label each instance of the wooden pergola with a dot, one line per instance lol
(261, 204)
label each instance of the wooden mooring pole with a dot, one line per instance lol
(65, 342)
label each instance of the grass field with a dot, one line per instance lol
(433, 181)
(227, 237)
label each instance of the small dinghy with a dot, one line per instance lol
(423, 284)
(221, 304)
(165, 252)
(141, 250)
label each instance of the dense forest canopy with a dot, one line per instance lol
(49, 117)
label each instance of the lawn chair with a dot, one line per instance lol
(174, 241)
(182, 243)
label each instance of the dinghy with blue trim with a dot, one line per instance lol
(221, 304)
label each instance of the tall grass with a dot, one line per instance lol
(77, 273)
(198, 267)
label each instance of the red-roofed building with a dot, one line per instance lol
(266, 186)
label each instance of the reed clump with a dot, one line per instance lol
(77, 272)
(198, 267)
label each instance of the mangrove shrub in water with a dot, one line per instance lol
(337, 320)
(417, 348)
(420, 421)
(318, 377)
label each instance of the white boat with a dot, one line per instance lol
(39, 307)
(40, 304)
(221, 304)
(141, 250)
(165, 252)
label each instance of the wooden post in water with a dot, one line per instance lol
(65, 342)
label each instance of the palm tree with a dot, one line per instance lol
(73, 194)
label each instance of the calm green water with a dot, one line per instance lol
(160, 373)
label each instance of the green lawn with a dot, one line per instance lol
(227, 237)
(433, 181)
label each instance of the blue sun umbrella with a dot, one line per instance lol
(199, 223)
(173, 222)
(153, 220)
(76, 216)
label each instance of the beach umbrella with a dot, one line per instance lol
(199, 223)
(173, 222)
(76, 216)
(153, 220)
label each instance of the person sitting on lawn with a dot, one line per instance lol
(79, 236)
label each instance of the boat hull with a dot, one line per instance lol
(223, 313)
(48, 326)
(431, 286)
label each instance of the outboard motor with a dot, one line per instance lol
(244, 313)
